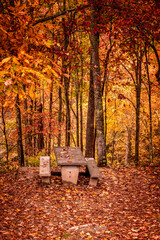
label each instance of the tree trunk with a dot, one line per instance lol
(89, 151)
(68, 118)
(66, 79)
(99, 120)
(158, 61)
(150, 111)
(105, 115)
(60, 114)
(50, 118)
(30, 131)
(158, 131)
(35, 140)
(138, 104)
(19, 129)
(81, 109)
(138, 92)
(5, 134)
(77, 109)
(26, 124)
(40, 140)
(128, 146)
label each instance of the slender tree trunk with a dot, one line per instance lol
(30, 131)
(81, 109)
(90, 136)
(50, 118)
(66, 80)
(105, 115)
(137, 126)
(35, 142)
(26, 124)
(113, 146)
(158, 61)
(150, 110)
(128, 146)
(138, 104)
(158, 130)
(99, 120)
(5, 134)
(60, 114)
(68, 119)
(77, 109)
(19, 129)
(40, 140)
(106, 65)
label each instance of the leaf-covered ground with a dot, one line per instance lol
(124, 205)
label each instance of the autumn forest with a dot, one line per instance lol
(81, 74)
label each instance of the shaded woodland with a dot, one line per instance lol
(80, 73)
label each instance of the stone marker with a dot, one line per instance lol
(45, 169)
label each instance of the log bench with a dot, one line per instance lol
(45, 169)
(93, 170)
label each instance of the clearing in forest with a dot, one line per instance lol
(124, 205)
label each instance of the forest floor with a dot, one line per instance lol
(124, 205)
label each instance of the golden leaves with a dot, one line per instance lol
(25, 70)
(5, 60)
(3, 30)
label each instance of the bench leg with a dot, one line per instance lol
(93, 181)
(70, 174)
(45, 180)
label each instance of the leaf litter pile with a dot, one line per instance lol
(124, 205)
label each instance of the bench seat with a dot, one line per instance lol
(94, 172)
(45, 169)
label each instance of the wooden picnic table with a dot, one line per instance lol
(70, 159)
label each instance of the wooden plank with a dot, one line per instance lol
(69, 156)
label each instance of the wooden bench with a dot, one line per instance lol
(93, 171)
(45, 169)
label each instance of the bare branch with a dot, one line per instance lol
(59, 14)
(129, 72)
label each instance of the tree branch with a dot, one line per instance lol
(128, 72)
(60, 14)
(158, 61)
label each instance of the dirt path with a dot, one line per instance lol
(124, 205)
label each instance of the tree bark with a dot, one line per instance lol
(77, 108)
(60, 114)
(150, 110)
(26, 124)
(5, 134)
(138, 103)
(40, 140)
(128, 146)
(19, 130)
(158, 61)
(81, 109)
(66, 80)
(50, 118)
(89, 151)
(99, 120)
